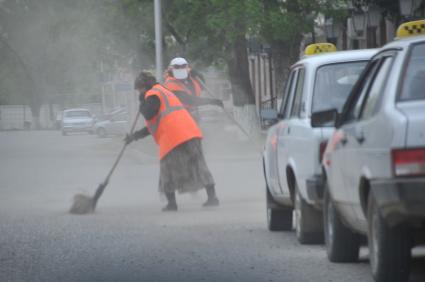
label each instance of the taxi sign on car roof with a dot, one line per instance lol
(411, 29)
(318, 48)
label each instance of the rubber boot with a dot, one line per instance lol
(172, 204)
(212, 200)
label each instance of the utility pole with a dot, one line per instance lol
(158, 39)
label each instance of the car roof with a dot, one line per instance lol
(76, 109)
(118, 111)
(337, 57)
(404, 42)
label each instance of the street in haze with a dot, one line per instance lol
(128, 238)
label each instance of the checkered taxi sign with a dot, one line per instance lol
(318, 48)
(411, 29)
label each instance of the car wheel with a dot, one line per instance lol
(101, 132)
(308, 222)
(342, 244)
(389, 247)
(278, 218)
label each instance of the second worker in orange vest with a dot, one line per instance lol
(182, 163)
(180, 78)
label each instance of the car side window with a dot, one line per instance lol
(296, 106)
(414, 75)
(372, 98)
(353, 112)
(288, 94)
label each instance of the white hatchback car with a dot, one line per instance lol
(375, 161)
(77, 120)
(293, 148)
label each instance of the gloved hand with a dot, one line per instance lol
(129, 138)
(217, 102)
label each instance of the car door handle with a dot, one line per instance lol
(360, 137)
(344, 140)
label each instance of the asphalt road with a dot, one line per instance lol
(129, 238)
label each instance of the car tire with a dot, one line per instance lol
(308, 222)
(279, 218)
(101, 132)
(389, 247)
(342, 244)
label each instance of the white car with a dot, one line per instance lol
(115, 124)
(293, 148)
(77, 120)
(375, 161)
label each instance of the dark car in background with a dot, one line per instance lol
(115, 123)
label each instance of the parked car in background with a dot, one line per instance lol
(294, 147)
(77, 120)
(116, 123)
(375, 161)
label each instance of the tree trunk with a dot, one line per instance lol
(244, 110)
(34, 98)
(35, 111)
(239, 74)
(284, 55)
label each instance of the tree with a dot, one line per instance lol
(54, 48)
(62, 43)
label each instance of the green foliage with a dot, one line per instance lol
(62, 44)
(12, 79)
(336, 9)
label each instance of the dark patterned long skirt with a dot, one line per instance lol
(184, 169)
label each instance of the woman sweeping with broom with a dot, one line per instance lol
(182, 163)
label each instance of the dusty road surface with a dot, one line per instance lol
(129, 238)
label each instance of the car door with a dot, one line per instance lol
(118, 124)
(299, 135)
(283, 151)
(360, 132)
(368, 138)
(273, 140)
(340, 163)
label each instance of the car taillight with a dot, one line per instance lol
(409, 162)
(322, 148)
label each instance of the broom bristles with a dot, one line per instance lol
(83, 204)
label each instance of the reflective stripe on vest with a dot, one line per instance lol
(153, 126)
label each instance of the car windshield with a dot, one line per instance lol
(77, 114)
(414, 80)
(334, 83)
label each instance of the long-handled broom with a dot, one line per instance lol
(84, 204)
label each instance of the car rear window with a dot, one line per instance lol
(414, 78)
(77, 114)
(333, 84)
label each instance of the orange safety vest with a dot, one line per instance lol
(172, 125)
(174, 84)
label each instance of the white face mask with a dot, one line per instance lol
(180, 73)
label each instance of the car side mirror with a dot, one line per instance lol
(324, 118)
